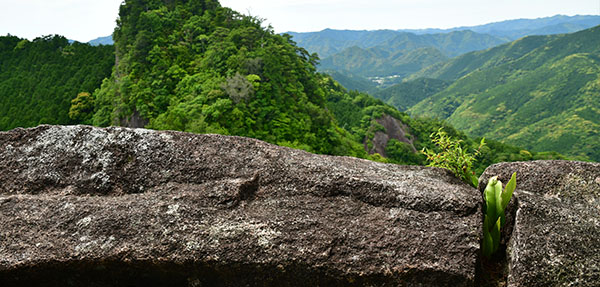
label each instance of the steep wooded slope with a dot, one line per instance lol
(545, 98)
(407, 94)
(39, 78)
(199, 67)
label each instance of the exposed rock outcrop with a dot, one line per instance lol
(556, 235)
(394, 129)
(102, 207)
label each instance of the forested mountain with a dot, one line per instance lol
(39, 78)
(389, 53)
(407, 94)
(196, 66)
(542, 93)
(378, 62)
(460, 66)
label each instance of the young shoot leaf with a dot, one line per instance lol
(508, 191)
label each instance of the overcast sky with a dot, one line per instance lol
(84, 20)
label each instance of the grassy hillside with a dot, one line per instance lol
(542, 98)
(39, 78)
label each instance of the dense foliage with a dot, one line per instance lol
(198, 67)
(542, 98)
(454, 156)
(358, 113)
(39, 78)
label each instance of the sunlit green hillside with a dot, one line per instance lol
(542, 93)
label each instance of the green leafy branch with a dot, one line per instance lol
(453, 156)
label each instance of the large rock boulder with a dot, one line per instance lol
(103, 207)
(556, 235)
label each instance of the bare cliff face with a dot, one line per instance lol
(103, 207)
(394, 129)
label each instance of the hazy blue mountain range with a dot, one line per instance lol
(108, 40)
(329, 42)
(518, 28)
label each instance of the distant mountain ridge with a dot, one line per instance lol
(517, 28)
(506, 30)
(330, 41)
(108, 40)
(400, 53)
(406, 53)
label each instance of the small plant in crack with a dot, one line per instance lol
(453, 156)
(496, 201)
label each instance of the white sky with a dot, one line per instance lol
(84, 20)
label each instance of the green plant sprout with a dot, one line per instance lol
(453, 156)
(496, 202)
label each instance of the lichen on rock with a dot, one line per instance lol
(117, 206)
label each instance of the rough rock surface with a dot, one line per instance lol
(556, 235)
(104, 207)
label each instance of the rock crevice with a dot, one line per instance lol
(556, 234)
